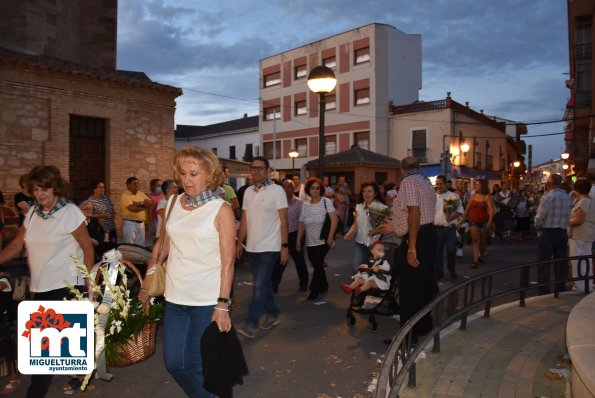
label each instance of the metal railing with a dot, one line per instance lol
(399, 361)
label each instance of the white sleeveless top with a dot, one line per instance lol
(193, 267)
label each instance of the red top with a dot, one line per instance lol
(478, 211)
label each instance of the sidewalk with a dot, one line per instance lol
(312, 352)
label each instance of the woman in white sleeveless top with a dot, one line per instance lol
(199, 244)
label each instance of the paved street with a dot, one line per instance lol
(312, 353)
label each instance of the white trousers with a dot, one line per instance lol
(134, 232)
(581, 248)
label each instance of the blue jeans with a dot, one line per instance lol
(361, 256)
(183, 327)
(261, 266)
(445, 237)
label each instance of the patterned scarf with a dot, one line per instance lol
(258, 187)
(60, 204)
(200, 199)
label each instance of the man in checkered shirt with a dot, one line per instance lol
(413, 220)
(551, 221)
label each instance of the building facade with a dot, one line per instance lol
(61, 106)
(453, 139)
(580, 109)
(374, 65)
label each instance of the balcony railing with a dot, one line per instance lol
(420, 153)
(399, 360)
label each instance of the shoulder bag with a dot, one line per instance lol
(326, 227)
(157, 286)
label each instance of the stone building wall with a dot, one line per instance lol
(35, 109)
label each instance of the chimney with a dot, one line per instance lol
(245, 115)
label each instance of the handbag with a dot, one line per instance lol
(157, 286)
(20, 292)
(326, 227)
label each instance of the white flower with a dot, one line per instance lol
(103, 309)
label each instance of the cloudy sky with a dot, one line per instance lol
(507, 57)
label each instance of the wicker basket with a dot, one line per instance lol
(139, 350)
(144, 346)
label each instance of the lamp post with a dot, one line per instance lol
(293, 154)
(446, 155)
(565, 156)
(515, 173)
(321, 80)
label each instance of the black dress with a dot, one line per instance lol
(8, 334)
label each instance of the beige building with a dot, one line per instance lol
(374, 65)
(435, 130)
(62, 102)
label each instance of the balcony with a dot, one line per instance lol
(420, 153)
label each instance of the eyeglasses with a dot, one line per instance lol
(257, 168)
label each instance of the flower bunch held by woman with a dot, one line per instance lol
(310, 223)
(53, 230)
(368, 210)
(480, 213)
(199, 243)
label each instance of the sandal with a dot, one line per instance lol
(72, 385)
(10, 387)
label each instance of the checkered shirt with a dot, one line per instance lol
(554, 210)
(415, 190)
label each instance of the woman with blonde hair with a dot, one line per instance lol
(480, 213)
(199, 242)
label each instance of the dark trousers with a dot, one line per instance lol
(316, 255)
(298, 260)
(553, 244)
(446, 237)
(40, 384)
(416, 285)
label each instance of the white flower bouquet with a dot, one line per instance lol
(451, 204)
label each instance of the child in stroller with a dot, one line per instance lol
(374, 275)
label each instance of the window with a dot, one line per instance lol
(300, 108)
(583, 85)
(419, 145)
(272, 79)
(301, 145)
(248, 153)
(361, 55)
(300, 72)
(330, 62)
(273, 112)
(268, 150)
(478, 160)
(582, 42)
(330, 144)
(232, 152)
(489, 162)
(361, 97)
(362, 139)
(331, 102)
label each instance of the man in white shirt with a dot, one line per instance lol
(264, 225)
(448, 209)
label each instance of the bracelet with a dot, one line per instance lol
(222, 309)
(411, 251)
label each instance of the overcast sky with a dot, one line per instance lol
(507, 57)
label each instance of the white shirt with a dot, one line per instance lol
(50, 243)
(363, 224)
(161, 205)
(193, 274)
(262, 218)
(439, 216)
(313, 216)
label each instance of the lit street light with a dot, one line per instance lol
(293, 154)
(321, 81)
(565, 155)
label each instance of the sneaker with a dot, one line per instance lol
(247, 330)
(269, 322)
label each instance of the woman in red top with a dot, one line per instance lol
(480, 213)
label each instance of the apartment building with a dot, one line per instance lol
(375, 65)
(580, 109)
(451, 138)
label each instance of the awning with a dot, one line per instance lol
(431, 170)
(468, 172)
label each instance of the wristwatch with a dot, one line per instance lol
(224, 300)
(285, 245)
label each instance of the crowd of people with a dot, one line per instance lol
(203, 226)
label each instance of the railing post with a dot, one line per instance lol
(524, 283)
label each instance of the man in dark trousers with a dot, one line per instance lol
(413, 220)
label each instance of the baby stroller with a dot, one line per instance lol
(375, 302)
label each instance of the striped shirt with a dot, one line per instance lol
(293, 214)
(554, 210)
(415, 191)
(104, 206)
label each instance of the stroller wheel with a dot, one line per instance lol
(373, 324)
(350, 319)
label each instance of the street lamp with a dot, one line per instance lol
(565, 155)
(293, 154)
(321, 80)
(516, 163)
(464, 147)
